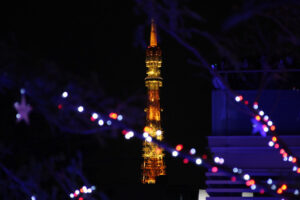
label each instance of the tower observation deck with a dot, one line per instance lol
(153, 155)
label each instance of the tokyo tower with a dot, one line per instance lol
(153, 155)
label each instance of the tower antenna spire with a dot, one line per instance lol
(153, 35)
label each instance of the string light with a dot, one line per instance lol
(214, 169)
(270, 123)
(269, 181)
(235, 170)
(258, 118)
(192, 151)
(175, 153)
(95, 116)
(145, 134)
(239, 98)
(219, 160)
(250, 182)
(120, 117)
(255, 105)
(265, 128)
(233, 179)
(65, 94)
(261, 113)
(246, 177)
(274, 143)
(253, 187)
(198, 161)
(80, 109)
(284, 187)
(129, 135)
(286, 157)
(269, 126)
(185, 161)
(216, 159)
(59, 106)
(179, 147)
(266, 118)
(272, 128)
(295, 168)
(271, 143)
(101, 122)
(113, 115)
(81, 191)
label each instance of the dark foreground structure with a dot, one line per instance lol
(232, 139)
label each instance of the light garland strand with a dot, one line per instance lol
(176, 152)
(269, 127)
(260, 116)
(79, 193)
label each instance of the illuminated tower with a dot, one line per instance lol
(153, 155)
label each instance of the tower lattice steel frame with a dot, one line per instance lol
(153, 155)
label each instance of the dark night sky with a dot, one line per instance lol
(99, 38)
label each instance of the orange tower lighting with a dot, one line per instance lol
(153, 155)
